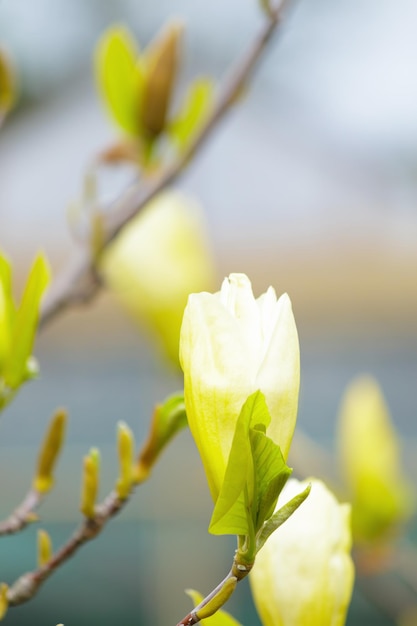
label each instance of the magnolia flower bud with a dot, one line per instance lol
(161, 66)
(370, 458)
(303, 576)
(231, 346)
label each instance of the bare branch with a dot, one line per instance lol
(81, 282)
(23, 515)
(26, 587)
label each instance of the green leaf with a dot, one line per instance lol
(25, 323)
(233, 510)
(119, 76)
(168, 419)
(271, 474)
(280, 517)
(220, 618)
(193, 113)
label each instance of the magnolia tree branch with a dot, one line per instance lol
(23, 515)
(81, 282)
(27, 585)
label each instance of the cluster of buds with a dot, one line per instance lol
(138, 89)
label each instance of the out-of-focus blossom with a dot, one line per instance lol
(370, 458)
(231, 346)
(160, 258)
(303, 576)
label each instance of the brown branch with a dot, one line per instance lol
(23, 515)
(80, 283)
(27, 585)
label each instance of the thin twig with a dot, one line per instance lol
(80, 283)
(27, 585)
(23, 515)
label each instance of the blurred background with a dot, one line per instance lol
(310, 185)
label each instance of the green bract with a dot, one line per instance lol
(18, 327)
(255, 474)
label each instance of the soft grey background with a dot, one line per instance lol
(310, 185)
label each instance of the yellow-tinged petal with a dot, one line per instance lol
(370, 458)
(231, 346)
(44, 547)
(49, 452)
(303, 576)
(158, 260)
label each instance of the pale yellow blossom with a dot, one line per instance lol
(303, 576)
(231, 346)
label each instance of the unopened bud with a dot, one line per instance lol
(161, 67)
(126, 445)
(90, 483)
(49, 452)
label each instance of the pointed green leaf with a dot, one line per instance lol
(193, 113)
(220, 618)
(171, 418)
(119, 75)
(15, 368)
(271, 474)
(168, 419)
(233, 512)
(280, 517)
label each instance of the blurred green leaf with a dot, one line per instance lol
(119, 75)
(168, 419)
(24, 327)
(193, 113)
